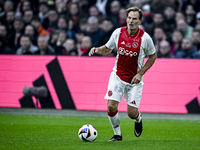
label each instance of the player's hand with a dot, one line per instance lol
(93, 51)
(136, 79)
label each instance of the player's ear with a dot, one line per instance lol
(141, 21)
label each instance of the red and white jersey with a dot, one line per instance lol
(132, 50)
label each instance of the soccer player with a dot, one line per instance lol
(126, 79)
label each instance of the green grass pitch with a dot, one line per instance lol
(46, 132)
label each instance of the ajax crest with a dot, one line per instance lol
(135, 44)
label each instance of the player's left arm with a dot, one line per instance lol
(137, 78)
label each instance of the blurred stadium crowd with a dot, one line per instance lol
(72, 27)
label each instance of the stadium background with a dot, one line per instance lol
(171, 86)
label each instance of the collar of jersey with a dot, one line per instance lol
(132, 36)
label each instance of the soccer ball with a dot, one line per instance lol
(87, 133)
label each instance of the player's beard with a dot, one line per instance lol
(133, 27)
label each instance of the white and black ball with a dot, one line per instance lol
(87, 133)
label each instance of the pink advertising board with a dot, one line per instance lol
(169, 85)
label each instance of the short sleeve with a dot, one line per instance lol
(112, 42)
(149, 45)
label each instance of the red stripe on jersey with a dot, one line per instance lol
(128, 49)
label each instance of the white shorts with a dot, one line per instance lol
(117, 88)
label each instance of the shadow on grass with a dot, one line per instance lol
(141, 144)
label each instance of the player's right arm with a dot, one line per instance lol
(103, 50)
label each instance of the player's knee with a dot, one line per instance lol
(132, 114)
(111, 107)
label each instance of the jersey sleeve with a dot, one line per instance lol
(112, 42)
(149, 45)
